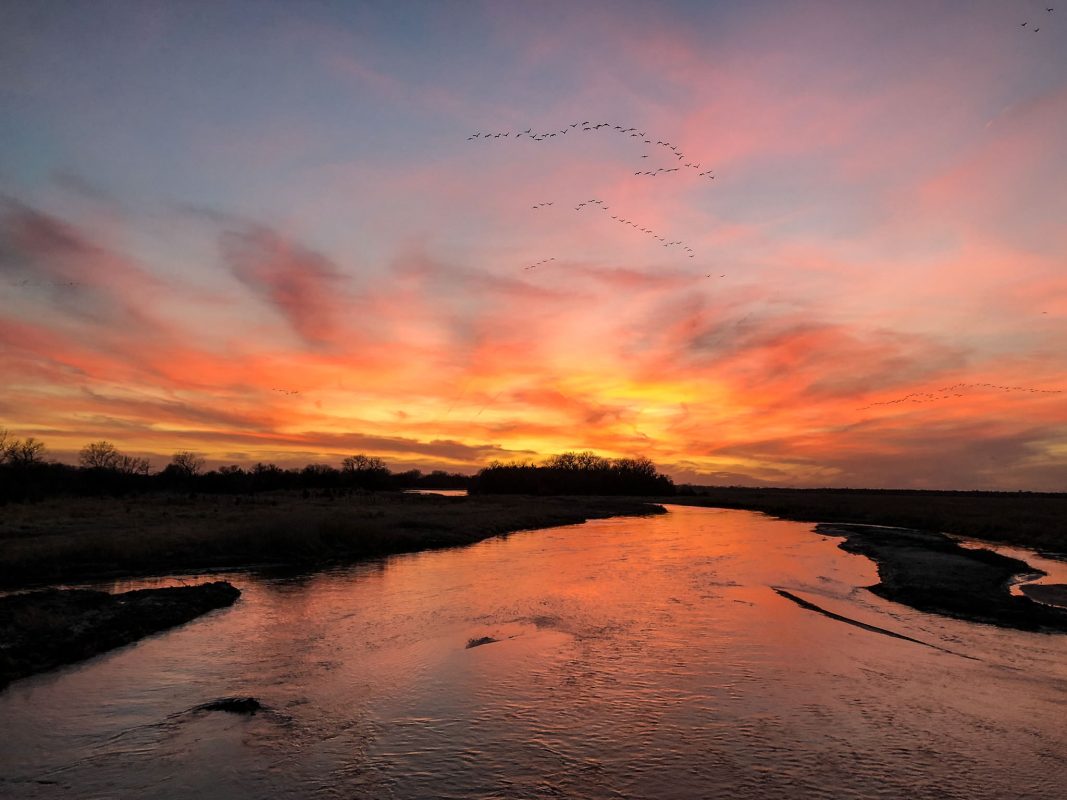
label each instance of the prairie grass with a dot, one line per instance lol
(73, 539)
(1028, 519)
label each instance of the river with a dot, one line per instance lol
(636, 658)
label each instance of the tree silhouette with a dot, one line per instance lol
(23, 453)
(99, 455)
(365, 472)
(186, 463)
(129, 465)
(574, 473)
(362, 463)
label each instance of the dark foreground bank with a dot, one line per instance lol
(83, 539)
(45, 629)
(1027, 519)
(932, 573)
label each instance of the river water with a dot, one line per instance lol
(637, 658)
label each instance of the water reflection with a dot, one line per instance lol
(636, 658)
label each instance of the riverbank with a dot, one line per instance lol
(45, 629)
(932, 573)
(75, 540)
(1027, 519)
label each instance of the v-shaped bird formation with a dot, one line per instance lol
(587, 126)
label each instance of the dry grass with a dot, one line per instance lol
(77, 539)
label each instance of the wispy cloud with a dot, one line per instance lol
(304, 286)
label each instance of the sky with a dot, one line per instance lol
(262, 231)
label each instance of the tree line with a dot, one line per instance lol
(582, 473)
(27, 474)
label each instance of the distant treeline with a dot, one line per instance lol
(574, 473)
(25, 474)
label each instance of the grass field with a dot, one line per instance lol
(1026, 519)
(79, 539)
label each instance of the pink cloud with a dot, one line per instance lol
(301, 284)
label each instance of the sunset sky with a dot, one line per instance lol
(259, 231)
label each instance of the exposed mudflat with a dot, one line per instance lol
(931, 572)
(44, 629)
(1052, 594)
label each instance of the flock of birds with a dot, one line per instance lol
(539, 263)
(631, 132)
(637, 226)
(621, 220)
(595, 127)
(947, 392)
(1036, 28)
(27, 282)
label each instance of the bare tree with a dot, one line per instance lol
(365, 472)
(585, 460)
(187, 463)
(99, 455)
(129, 465)
(362, 463)
(24, 452)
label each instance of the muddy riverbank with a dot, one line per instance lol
(45, 629)
(931, 572)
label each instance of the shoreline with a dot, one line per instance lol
(50, 628)
(931, 572)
